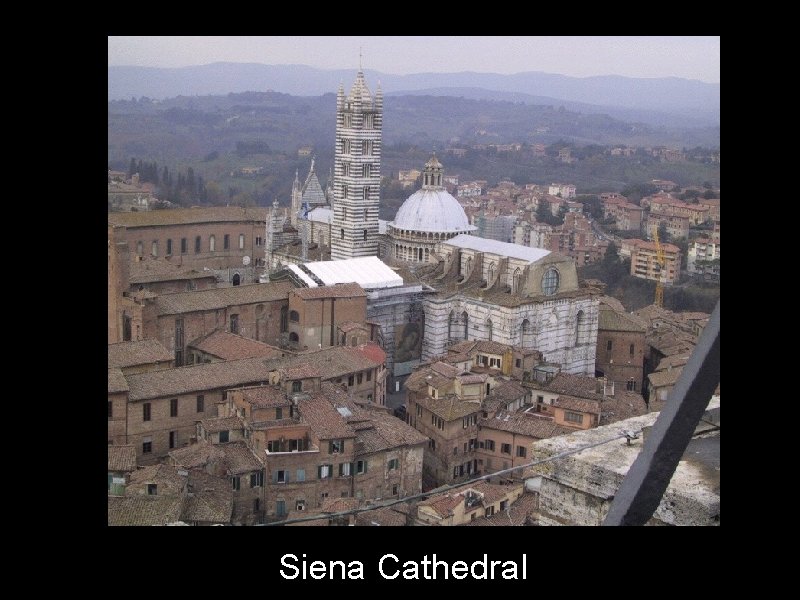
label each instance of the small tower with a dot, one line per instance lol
(297, 195)
(357, 174)
(274, 226)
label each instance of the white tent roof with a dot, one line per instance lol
(472, 242)
(369, 272)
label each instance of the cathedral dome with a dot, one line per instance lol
(432, 209)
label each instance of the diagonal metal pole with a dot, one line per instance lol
(644, 485)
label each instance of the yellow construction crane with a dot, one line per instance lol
(660, 269)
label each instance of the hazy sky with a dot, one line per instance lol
(688, 57)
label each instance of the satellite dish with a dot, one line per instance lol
(245, 260)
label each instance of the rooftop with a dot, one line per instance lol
(182, 302)
(116, 382)
(369, 272)
(230, 346)
(432, 209)
(142, 352)
(186, 216)
(472, 242)
(342, 290)
(144, 510)
(233, 458)
(121, 458)
(522, 423)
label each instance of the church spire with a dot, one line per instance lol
(433, 174)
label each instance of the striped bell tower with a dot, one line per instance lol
(357, 171)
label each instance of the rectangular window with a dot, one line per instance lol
(139, 248)
(369, 397)
(234, 323)
(297, 386)
(395, 489)
(432, 444)
(361, 466)
(184, 246)
(369, 121)
(472, 444)
(198, 244)
(279, 413)
(346, 145)
(236, 483)
(366, 193)
(147, 446)
(257, 479)
(518, 363)
(631, 386)
(110, 410)
(631, 350)
(366, 147)
(173, 407)
(522, 451)
(346, 169)
(273, 446)
(201, 403)
(455, 472)
(360, 378)
(369, 375)
(366, 170)
(281, 476)
(505, 448)
(324, 471)
(393, 464)
(609, 345)
(351, 380)
(224, 436)
(573, 417)
(241, 241)
(489, 445)
(169, 247)
(173, 439)
(258, 240)
(336, 446)
(152, 489)
(301, 474)
(280, 508)
(226, 242)
(344, 469)
(503, 504)
(540, 399)
(146, 411)
(154, 248)
(347, 120)
(455, 450)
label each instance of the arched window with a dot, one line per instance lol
(515, 281)
(469, 265)
(450, 322)
(365, 235)
(212, 243)
(580, 326)
(237, 279)
(489, 329)
(284, 319)
(419, 254)
(491, 273)
(550, 282)
(198, 244)
(465, 320)
(293, 337)
(294, 316)
(241, 241)
(524, 331)
(342, 232)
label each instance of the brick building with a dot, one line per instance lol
(620, 346)
(217, 238)
(255, 311)
(316, 314)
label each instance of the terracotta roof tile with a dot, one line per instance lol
(116, 382)
(387, 517)
(210, 499)
(184, 380)
(144, 510)
(265, 396)
(222, 424)
(229, 346)
(128, 354)
(199, 300)
(121, 458)
(183, 216)
(334, 505)
(449, 407)
(323, 418)
(524, 424)
(233, 458)
(582, 405)
(342, 290)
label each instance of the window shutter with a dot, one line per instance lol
(275, 477)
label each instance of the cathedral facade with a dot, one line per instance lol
(526, 297)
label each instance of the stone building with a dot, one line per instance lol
(357, 171)
(427, 217)
(465, 505)
(579, 491)
(620, 346)
(319, 445)
(307, 196)
(520, 296)
(317, 314)
(192, 238)
(253, 311)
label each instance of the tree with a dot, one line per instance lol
(543, 214)
(663, 235)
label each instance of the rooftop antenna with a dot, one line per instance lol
(360, 48)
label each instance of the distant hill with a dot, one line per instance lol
(695, 101)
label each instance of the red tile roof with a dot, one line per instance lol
(342, 290)
(230, 346)
(142, 352)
